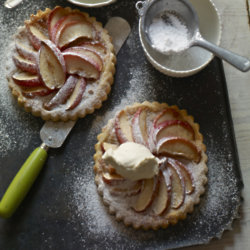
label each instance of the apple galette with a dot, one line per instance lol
(63, 64)
(155, 134)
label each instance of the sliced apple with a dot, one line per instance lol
(51, 65)
(36, 34)
(130, 190)
(162, 200)
(166, 115)
(106, 146)
(55, 30)
(176, 146)
(26, 52)
(25, 64)
(27, 79)
(83, 62)
(97, 47)
(32, 92)
(63, 94)
(74, 30)
(146, 196)
(77, 94)
(139, 127)
(55, 15)
(167, 177)
(112, 179)
(122, 127)
(70, 28)
(174, 128)
(61, 22)
(188, 178)
(178, 186)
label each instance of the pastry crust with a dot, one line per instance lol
(122, 205)
(96, 90)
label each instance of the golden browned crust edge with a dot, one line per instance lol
(105, 84)
(189, 206)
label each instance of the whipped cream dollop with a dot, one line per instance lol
(132, 161)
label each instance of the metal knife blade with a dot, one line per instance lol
(53, 134)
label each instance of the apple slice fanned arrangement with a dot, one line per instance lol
(63, 64)
(173, 137)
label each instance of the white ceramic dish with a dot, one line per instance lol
(194, 59)
(91, 3)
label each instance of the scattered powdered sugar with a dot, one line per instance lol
(93, 215)
(16, 130)
(89, 205)
(86, 199)
(168, 33)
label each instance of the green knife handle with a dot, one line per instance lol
(23, 181)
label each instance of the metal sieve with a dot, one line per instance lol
(149, 10)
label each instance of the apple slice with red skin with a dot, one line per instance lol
(77, 94)
(26, 79)
(139, 127)
(122, 127)
(166, 115)
(32, 92)
(59, 26)
(36, 34)
(25, 64)
(112, 179)
(70, 28)
(83, 62)
(147, 195)
(131, 190)
(176, 146)
(55, 15)
(174, 128)
(73, 31)
(51, 64)
(188, 178)
(163, 199)
(178, 186)
(26, 52)
(63, 94)
(96, 47)
(55, 30)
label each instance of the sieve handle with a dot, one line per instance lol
(239, 62)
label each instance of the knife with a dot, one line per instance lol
(52, 134)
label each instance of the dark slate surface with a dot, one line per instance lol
(47, 219)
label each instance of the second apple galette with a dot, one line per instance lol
(150, 165)
(63, 64)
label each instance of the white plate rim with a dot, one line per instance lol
(91, 5)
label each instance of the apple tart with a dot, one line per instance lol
(63, 64)
(174, 139)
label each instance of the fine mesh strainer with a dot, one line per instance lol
(150, 10)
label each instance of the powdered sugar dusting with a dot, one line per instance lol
(15, 126)
(86, 215)
(168, 33)
(93, 214)
(141, 89)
